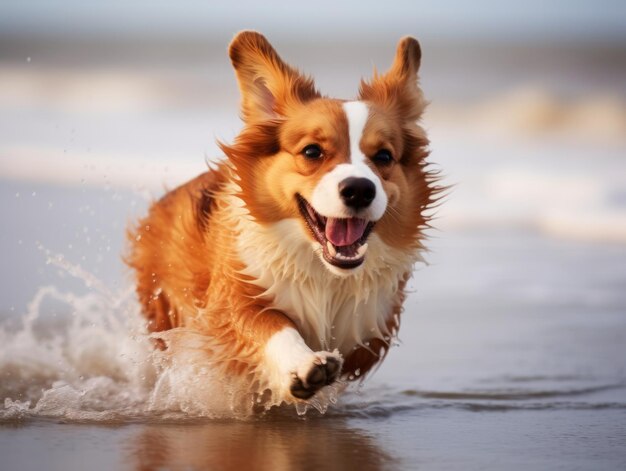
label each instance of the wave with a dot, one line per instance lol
(389, 403)
(563, 196)
(525, 158)
(580, 203)
(373, 411)
(97, 170)
(526, 110)
(533, 111)
(509, 395)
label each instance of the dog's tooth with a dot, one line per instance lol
(331, 249)
(361, 250)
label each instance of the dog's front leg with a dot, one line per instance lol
(294, 369)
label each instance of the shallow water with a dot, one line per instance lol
(433, 439)
(523, 367)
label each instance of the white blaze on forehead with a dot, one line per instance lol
(357, 113)
(326, 199)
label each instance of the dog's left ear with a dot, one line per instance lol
(407, 61)
(398, 86)
(269, 87)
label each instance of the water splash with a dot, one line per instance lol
(89, 358)
(76, 357)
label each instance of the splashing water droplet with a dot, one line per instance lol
(301, 408)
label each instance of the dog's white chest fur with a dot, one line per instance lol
(330, 311)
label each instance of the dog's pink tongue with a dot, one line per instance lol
(341, 232)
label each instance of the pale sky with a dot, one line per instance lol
(522, 19)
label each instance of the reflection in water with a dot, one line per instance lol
(263, 444)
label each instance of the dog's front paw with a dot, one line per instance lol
(322, 370)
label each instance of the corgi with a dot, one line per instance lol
(293, 253)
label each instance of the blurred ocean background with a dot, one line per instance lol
(513, 346)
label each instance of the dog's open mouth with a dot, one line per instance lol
(343, 240)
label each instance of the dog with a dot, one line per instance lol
(293, 253)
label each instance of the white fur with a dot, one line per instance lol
(329, 311)
(325, 198)
(286, 356)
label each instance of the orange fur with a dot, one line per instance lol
(186, 254)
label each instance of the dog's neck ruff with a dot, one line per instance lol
(330, 311)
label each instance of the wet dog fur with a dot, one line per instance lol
(293, 253)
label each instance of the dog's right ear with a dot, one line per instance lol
(269, 87)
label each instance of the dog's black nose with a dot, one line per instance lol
(357, 192)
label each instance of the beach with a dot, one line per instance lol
(523, 366)
(512, 349)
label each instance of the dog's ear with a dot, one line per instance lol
(407, 61)
(398, 86)
(269, 87)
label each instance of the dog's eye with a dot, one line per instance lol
(312, 151)
(383, 157)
